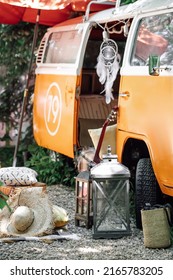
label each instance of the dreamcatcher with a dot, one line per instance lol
(108, 65)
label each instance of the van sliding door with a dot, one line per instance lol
(58, 80)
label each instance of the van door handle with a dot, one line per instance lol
(68, 94)
(124, 94)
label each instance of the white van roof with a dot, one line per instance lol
(122, 12)
(130, 10)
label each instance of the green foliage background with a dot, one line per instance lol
(126, 2)
(15, 54)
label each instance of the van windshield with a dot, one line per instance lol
(62, 47)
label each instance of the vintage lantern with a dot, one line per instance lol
(110, 182)
(83, 197)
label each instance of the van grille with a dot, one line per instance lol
(41, 50)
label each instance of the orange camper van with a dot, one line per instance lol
(122, 56)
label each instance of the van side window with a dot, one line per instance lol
(154, 37)
(62, 47)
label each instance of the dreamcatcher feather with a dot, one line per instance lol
(107, 66)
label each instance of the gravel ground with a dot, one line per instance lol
(86, 248)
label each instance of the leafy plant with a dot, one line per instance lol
(6, 157)
(52, 168)
(126, 2)
(3, 200)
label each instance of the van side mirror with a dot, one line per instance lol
(154, 65)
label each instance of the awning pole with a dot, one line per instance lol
(25, 95)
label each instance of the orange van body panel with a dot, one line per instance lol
(153, 115)
(55, 113)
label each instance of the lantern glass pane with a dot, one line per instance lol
(111, 205)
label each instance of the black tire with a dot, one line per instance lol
(146, 188)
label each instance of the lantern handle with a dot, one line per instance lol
(109, 119)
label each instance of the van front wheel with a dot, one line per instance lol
(146, 189)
